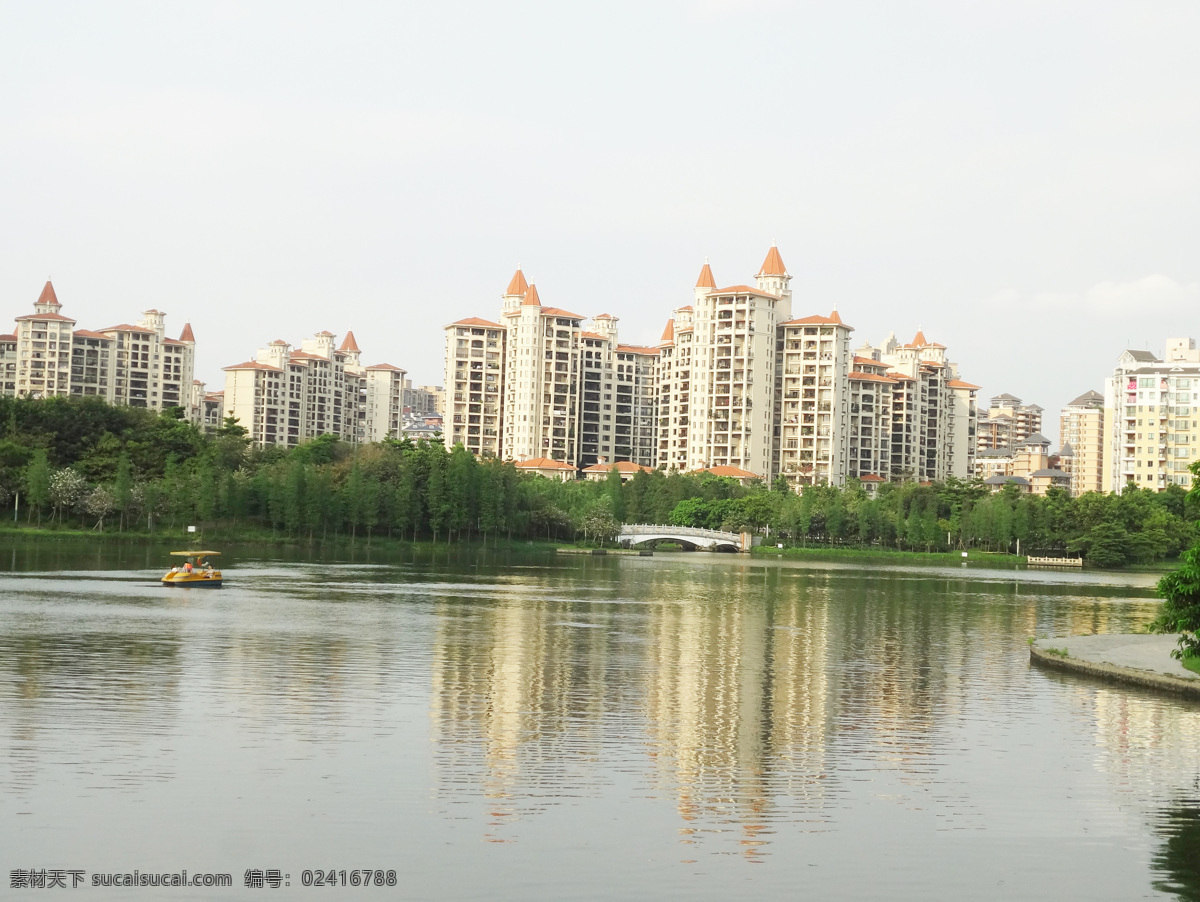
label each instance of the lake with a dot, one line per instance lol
(496, 725)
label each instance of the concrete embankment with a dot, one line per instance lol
(1136, 659)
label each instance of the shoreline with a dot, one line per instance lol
(1135, 659)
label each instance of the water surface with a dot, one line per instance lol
(525, 727)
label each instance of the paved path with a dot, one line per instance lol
(1130, 658)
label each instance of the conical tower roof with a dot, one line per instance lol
(531, 296)
(186, 334)
(48, 296)
(773, 265)
(518, 285)
(919, 340)
(706, 279)
(669, 331)
(348, 343)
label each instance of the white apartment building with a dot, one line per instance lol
(814, 427)
(132, 365)
(1007, 423)
(675, 385)
(870, 433)
(735, 381)
(474, 411)
(1081, 432)
(934, 415)
(1152, 412)
(287, 396)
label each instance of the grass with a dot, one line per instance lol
(1057, 652)
(825, 552)
(1191, 663)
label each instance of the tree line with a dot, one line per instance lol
(82, 463)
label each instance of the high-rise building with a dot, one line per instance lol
(1152, 408)
(735, 382)
(1007, 423)
(1081, 434)
(933, 415)
(133, 365)
(287, 396)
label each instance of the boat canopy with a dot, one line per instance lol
(194, 553)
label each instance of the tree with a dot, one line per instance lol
(37, 482)
(1180, 613)
(67, 488)
(99, 503)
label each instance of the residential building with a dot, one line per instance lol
(1152, 412)
(1081, 431)
(735, 381)
(626, 470)
(133, 365)
(474, 399)
(1007, 423)
(933, 413)
(287, 395)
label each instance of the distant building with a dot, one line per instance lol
(1007, 423)
(1152, 408)
(131, 365)
(1081, 431)
(287, 396)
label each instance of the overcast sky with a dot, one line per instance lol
(1019, 179)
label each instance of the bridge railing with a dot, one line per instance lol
(644, 529)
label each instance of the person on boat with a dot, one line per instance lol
(208, 568)
(187, 567)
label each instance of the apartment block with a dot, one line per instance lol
(289, 395)
(1081, 432)
(817, 437)
(734, 382)
(474, 399)
(1152, 418)
(1007, 423)
(132, 365)
(933, 415)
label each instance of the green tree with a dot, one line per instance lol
(37, 482)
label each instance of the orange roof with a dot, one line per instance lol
(688, 307)
(669, 331)
(57, 317)
(773, 265)
(871, 377)
(476, 321)
(124, 327)
(386, 366)
(48, 296)
(604, 316)
(325, 332)
(958, 383)
(543, 463)
(518, 285)
(636, 349)
(531, 297)
(304, 355)
(743, 289)
(870, 477)
(869, 361)
(556, 311)
(596, 336)
(348, 343)
(173, 341)
(14, 337)
(706, 279)
(817, 320)
(730, 472)
(186, 334)
(253, 365)
(621, 466)
(919, 340)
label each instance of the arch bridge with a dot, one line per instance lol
(689, 536)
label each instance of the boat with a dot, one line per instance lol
(196, 571)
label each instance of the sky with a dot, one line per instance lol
(1020, 180)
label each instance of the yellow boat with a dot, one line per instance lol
(197, 570)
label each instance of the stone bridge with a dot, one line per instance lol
(686, 535)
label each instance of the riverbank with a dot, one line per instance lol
(825, 553)
(1133, 659)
